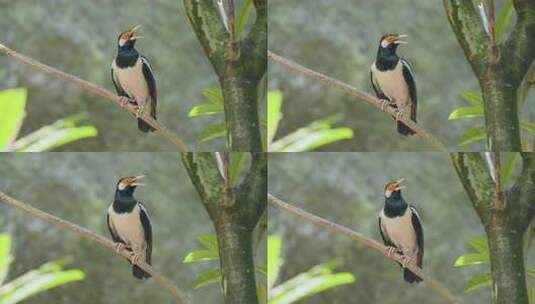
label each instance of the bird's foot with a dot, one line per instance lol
(407, 260)
(140, 111)
(136, 257)
(390, 250)
(399, 116)
(124, 101)
(385, 103)
(119, 247)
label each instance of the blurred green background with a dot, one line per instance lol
(80, 37)
(347, 188)
(79, 187)
(340, 38)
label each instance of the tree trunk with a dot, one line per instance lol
(500, 107)
(237, 265)
(506, 223)
(500, 68)
(235, 212)
(507, 261)
(240, 66)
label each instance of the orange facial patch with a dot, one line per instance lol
(392, 186)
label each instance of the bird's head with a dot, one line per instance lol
(390, 42)
(394, 188)
(127, 185)
(128, 38)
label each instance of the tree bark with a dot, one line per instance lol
(506, 224)
(240, 67)
(500, 69)
(234, 214)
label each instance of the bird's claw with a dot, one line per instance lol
(385, 103)
(135, 257)
(119, 247)
(124, 101)
(390, 250)
(407, 260)
(399, 116)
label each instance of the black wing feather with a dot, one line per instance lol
(151, 82)
(145, 222)
(411, 83)
(408, 275)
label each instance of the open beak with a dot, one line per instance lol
(136, 181)
(399, 181)
(399, 41)
(133, 31)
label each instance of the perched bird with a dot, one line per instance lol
(401, 229)
(129, 224)
(133, 79)
(393, 81)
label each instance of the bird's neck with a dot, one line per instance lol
(126, 56)
(124, 202)
(395, 205)
(386, 59)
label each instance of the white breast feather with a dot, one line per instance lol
(129, 227)
(133, 82)
(400, 231)
(393, 85)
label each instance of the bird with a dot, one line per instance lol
(133, 78)
(401, 229)
(129, 224)
(393, 81)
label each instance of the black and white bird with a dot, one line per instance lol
(401, 229)
(393, 81)
(133, 79)
(129, 224)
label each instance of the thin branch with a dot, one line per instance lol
(88, 86)
(354, 92)
(497, 182)
(355, 236)
(493, 49)
(232, 44)
(90, 235)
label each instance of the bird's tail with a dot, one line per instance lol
(140, 273)
(143, 126)
(404, 130)
(410, 277)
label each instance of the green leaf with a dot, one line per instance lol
(59, 138)
(209, 241)
(317, 139)
(5, 256)
(274, 114)
(274, 258)
(261, 269)
(207, 278)
(200, 256)
(528, 126)
(212, 131)
(466, 113)
(511, 159)
(480, 244)
(502, 19)
(473, 134)
(41, 283)
(473, 98)
(308, 287)
(12, 104)
(478, 281)
(472, 259)
(206, 109)
(214, 95)
(242, 16)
